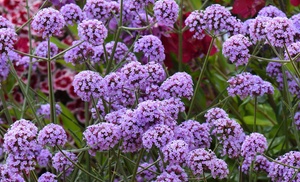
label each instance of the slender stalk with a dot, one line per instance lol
(34, 176)
(180, 37)
(88, 158)
(30, 63)
(64, 51)
(292, 61)
(50, 85)
(200, 77)
(270, 60)
(137, 165)
(6, 112)
(30, 55)
(255, 110)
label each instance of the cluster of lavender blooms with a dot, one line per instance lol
(24, 146)
(246, 84)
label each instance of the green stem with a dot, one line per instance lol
(292, 61)
(6, 112)
(270, 60)
(180, 37)
(255, 110)
(30, 55)
(50, 85)
(30, 63)
(137, 165)
(200, 77)
(64, 51)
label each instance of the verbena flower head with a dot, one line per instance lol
(257, 28)
(172, 107)
(219, 169)
(4, 66)
(246, 84)
(42, 49)
(236, 48)
(8, 38)
(175, 152)
(271, 11)
(156, 73)
(178, 85)
(166, 12)
(196, 23)
(47, 177)
(61, 163)
(145, 172)
(184, 134)
(280, 31)
(229, 134)
(158, 136)
(297, 120)
(234, 26)
(261, 164)
(200, 160)
(133, 74)
(44, 157)
(4, 23)
(7, 175)
(44, 110)
(202, 138)
(137, 5)
(216, 17)
(101, 137)
(71, 13)
(152, 48)
(52, 135)
(279, 172)
(80, 53)
(166, 177)
(253, 144)
(178, 171)
(213, 114)
(115, 117)
(245, 28)
(88, 84)
(20, 137)
(131, 133)
(296, 22)
(99, 9)
(48, 22)
(92, 31)
(292, 50)
(21, 162)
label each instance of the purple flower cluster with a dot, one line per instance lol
(99, 9)
(7, 175)
(92, 31)
(152, 48)
(8, 37)
(80, 53)
(71, 13)
(158, 136)
(199, 160)
(200, 132)
(260, 164)
(88, 84)
(254, 144)
(101, 137)
(42, 49)
(271, 11)
(246, 84)
(178, 85)
(120, 52)
(219, 169)
(279, 172)
(196, 24)
(166, 12)
(52, 135)
(280, 31)
(47, 177)
(44, 157)
(229, 134)
(4, 67)
(4, 23)
(48, 22)
(292, 50)
(236, 48)
(44, 110)
(175, 152)
(213, 114)
(257, 28)
(61, 163)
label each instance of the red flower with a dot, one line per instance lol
(191, 48)
(247, 8)
(295, 2)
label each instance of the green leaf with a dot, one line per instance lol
(259, 121)
(58, 43)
